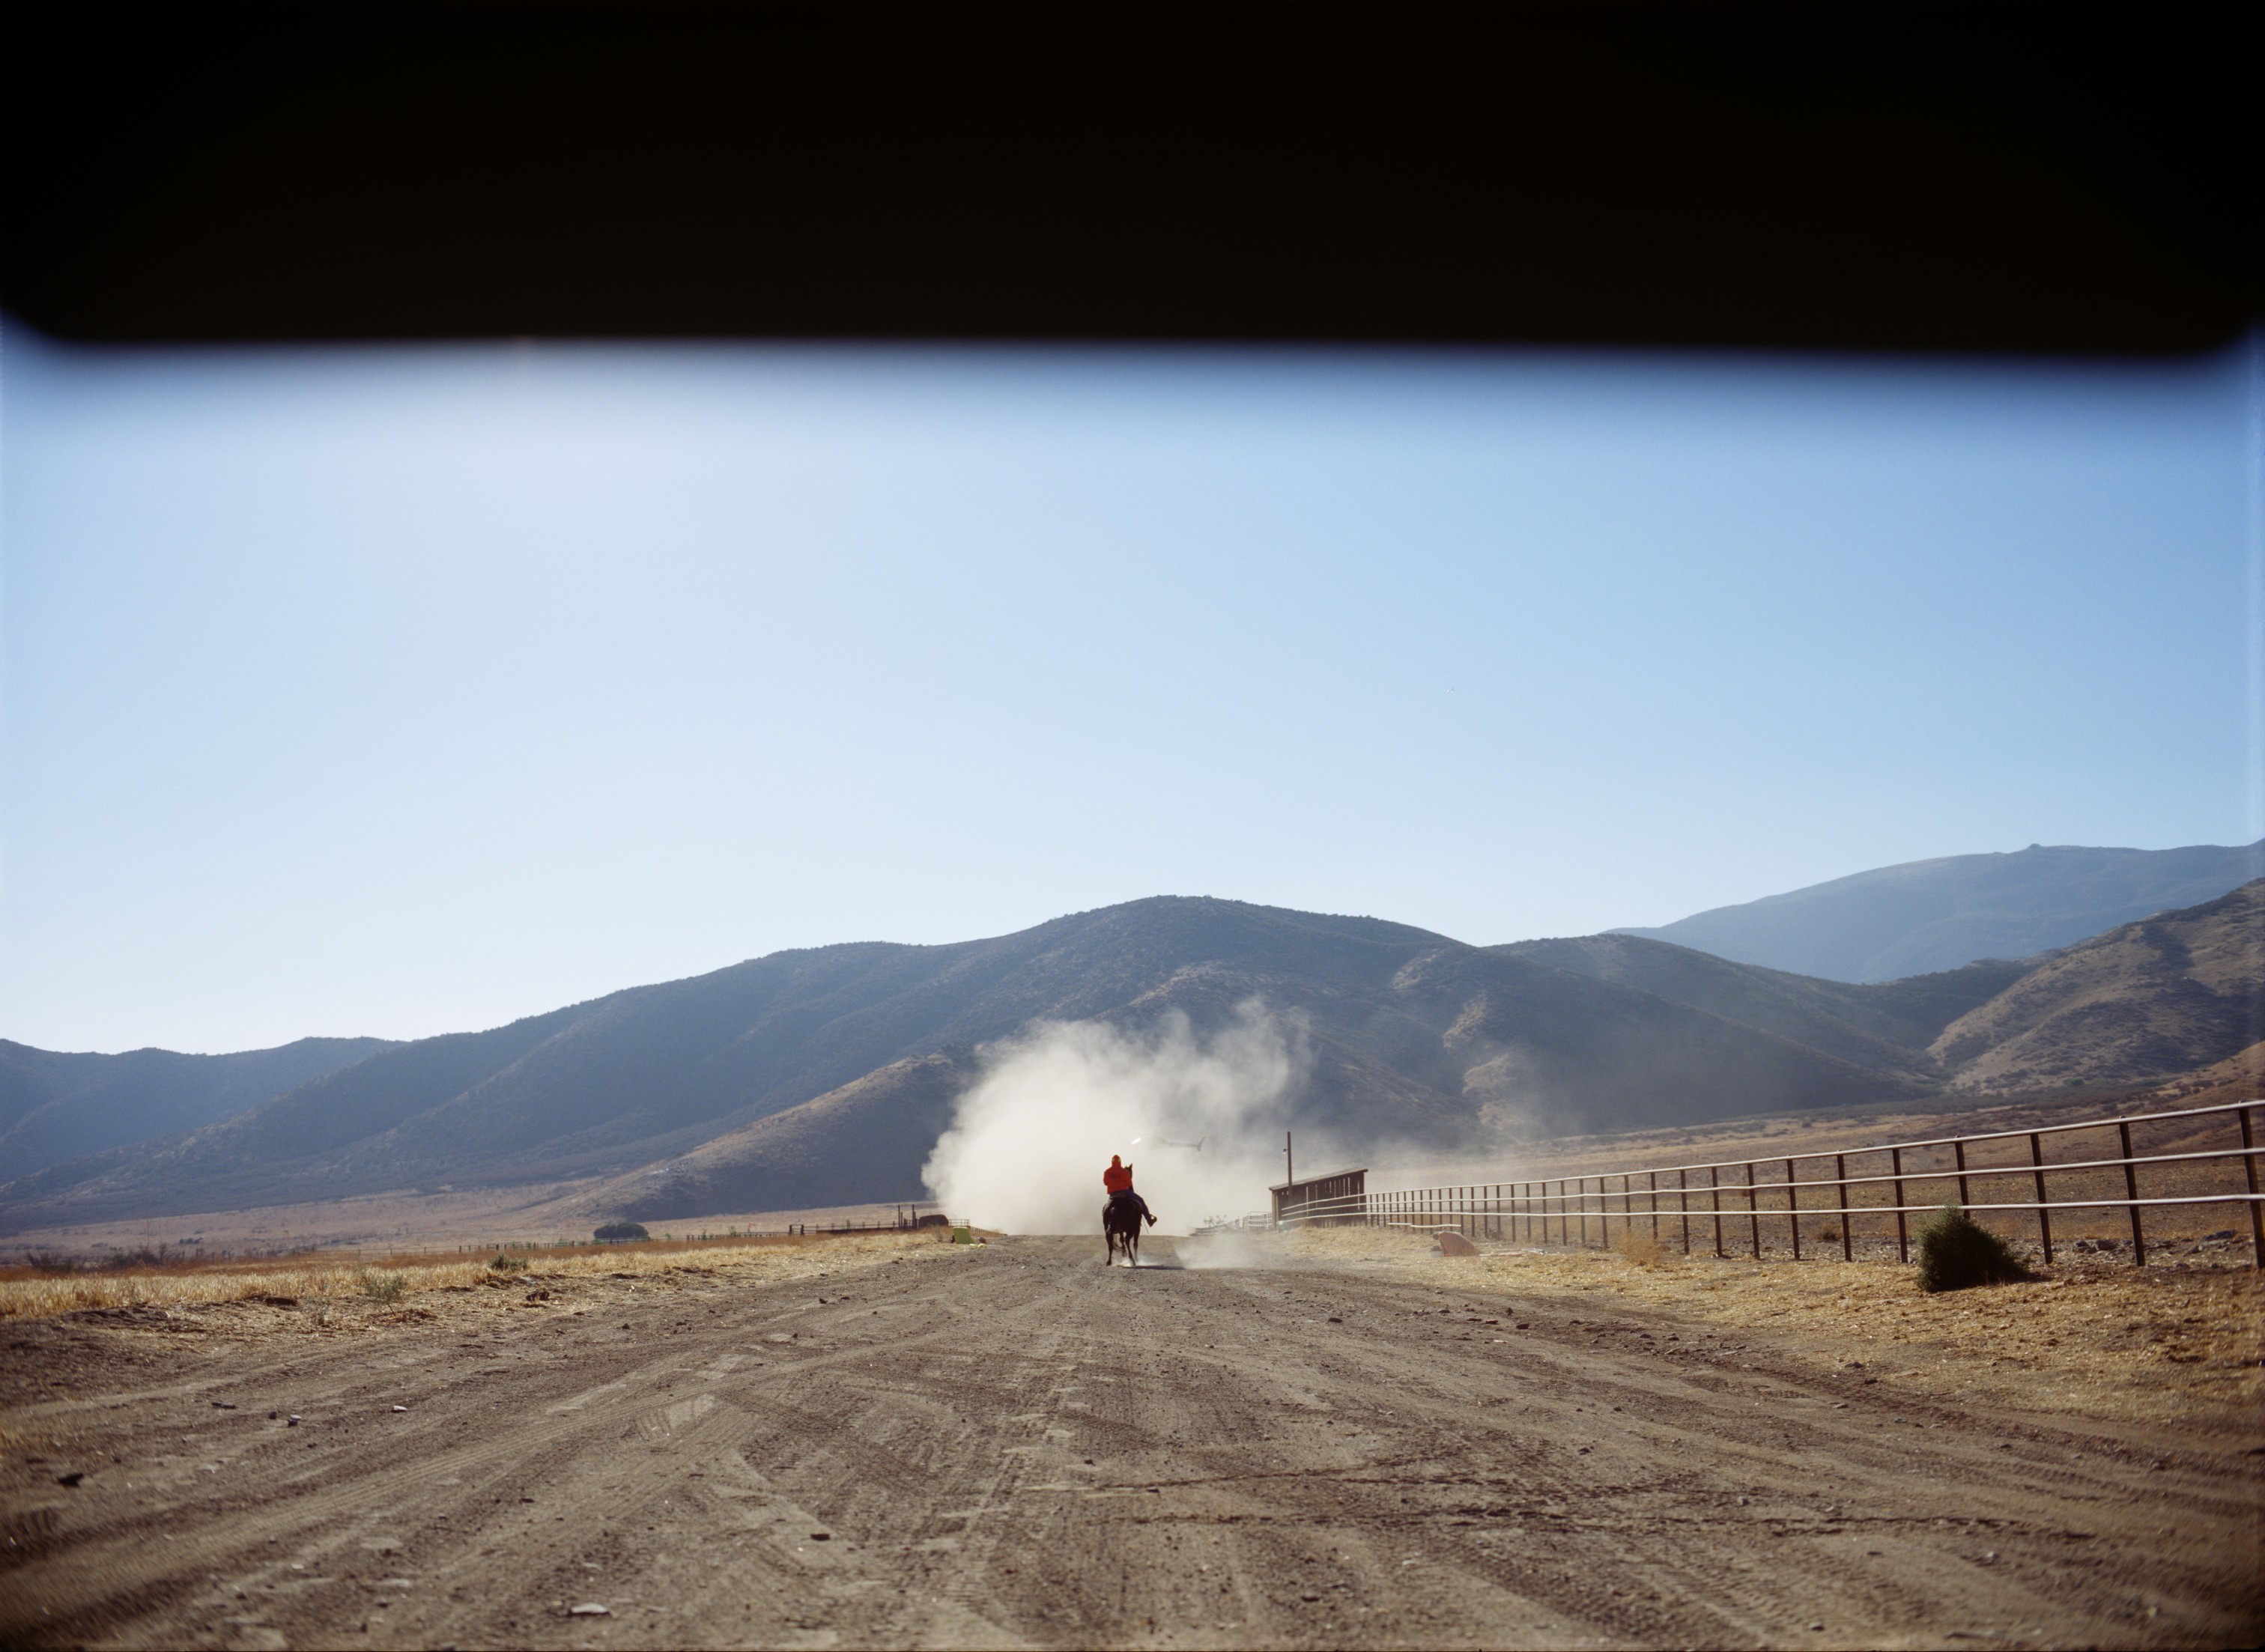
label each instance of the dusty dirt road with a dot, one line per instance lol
(1010, 1445)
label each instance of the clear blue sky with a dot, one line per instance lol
(402, 692)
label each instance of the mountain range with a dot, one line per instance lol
(1926, 916)
(823, 1076)
(56, 1106)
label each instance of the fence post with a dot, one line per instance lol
(1753, 1210)
(1958, 1152)
(1585, 1212)
(1714, 1186)
(1683, 1198)
(2131, 1192)
(1903, 1240)
(1655, 1207)
(2044, 1216)
(2249, 1168)
(1792, 1210)
(1847, 1244)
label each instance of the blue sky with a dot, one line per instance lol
(398, 692)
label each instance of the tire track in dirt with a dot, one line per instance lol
(1012, 1445)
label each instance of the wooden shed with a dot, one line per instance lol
(1341, 1193)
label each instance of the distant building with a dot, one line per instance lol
(1342, 1194)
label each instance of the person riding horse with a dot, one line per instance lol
(1118, 1180)
(1122, 1216)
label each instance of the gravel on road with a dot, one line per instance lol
(1010, 1445)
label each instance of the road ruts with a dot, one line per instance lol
(1013, 1446)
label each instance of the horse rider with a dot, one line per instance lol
(1118, 1180)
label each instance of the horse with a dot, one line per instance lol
(1120, 1227)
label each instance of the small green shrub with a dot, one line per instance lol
(508, 1264)
(613, 1232)
(1956, 1251)
(382, 1287)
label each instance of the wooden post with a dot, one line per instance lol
(1655, 1205)
(1847, 1244)
(1903, 1240)
(1792, 1210)
(1683, 1191)
(1753, 1210)
(1958, 1152)
(2249, 1167)
(2131, 1192)
(2044, 1216)
(1714, 1186)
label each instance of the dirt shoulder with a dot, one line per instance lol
(1308, 1443)
(2096, 1338)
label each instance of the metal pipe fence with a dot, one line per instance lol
(1772, 1188)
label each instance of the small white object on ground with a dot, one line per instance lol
(401, 1408)
(589, 1609)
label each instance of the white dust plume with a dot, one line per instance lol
(1190, 1113)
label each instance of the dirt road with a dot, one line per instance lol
(1009, 1446)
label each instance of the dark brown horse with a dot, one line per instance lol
(1120, 1226)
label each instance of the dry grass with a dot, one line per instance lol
(2101, 1339)
(1640, 1249)
(326, 1289)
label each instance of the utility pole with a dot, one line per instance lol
(1289, 1160)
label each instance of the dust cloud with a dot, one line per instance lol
(1230, 1249)
(1193, 1114)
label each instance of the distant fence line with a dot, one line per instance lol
(1526, 1210)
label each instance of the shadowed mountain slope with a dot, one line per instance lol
(861, 1143)
(1934, 915)
(57, 1106)
(1413, 1036)
(1887, 1027)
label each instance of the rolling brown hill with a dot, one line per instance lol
(875, 1132)
(1887, 1028)
(56, 1106)
(2170, 993)
(1413, 1036)
(824, 1076)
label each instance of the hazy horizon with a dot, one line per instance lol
(394, 692)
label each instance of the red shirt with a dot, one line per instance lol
(1117, 1179)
